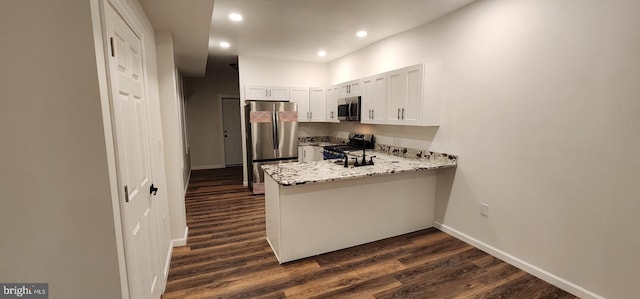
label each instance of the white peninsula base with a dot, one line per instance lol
(310, 219)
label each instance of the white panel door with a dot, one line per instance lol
(129, 115)
(232, 131)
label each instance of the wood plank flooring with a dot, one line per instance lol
(227, 256)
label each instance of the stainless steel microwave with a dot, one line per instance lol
(349, 108)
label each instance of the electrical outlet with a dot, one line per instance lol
(484, 209)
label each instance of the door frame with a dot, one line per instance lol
(221, 124)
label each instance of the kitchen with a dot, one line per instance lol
(506, 99)
(537, 101)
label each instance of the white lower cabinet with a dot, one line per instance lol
(309, 153)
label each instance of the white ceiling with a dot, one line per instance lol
(189, 23)
(297, 29)
(283, 29)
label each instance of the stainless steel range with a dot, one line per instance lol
(357, 142)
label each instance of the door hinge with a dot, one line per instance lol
(113, 53)
(126, 193)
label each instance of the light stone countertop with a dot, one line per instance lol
(298, 173)
(316, 143)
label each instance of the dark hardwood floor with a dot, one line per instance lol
(227, 256)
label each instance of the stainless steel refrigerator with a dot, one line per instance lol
(272, 137)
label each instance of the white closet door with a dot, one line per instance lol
(129, 115)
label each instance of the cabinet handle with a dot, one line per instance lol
(398, 113)
(310, 114)
(402, 113)
(373, 114)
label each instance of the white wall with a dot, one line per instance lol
(313, 129)
(541, 104)
(173, 145)
(275, 72)
(56, 217)
(206, 139)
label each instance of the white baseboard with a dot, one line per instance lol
(186, 186)
(525, 266)
(182, 241)
(201, 167)
(167, 265)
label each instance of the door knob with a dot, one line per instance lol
(153, 190)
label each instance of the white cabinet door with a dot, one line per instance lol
(305, 153)
(332, 103)
(396, 95)
(351, 88)
(317, 153)
(317, 104)
(266, 93)
(413, 102)
(301, 97)
(355, 88)
(278, 93)
(256, 92)
(374, 99)
(404, 96)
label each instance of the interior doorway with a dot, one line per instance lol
(232, 133)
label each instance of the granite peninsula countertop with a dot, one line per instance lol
(298, 173)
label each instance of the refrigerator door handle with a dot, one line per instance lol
(274, 124)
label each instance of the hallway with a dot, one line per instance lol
(227, 256)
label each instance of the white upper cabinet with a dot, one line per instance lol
(351, 88)
(374, 99)
(300, 95)
(404, 96)
(432, 94)
(311, 102)
(267, 93)
(333, 93)
(317, 104)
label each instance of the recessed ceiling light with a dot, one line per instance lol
(235, 17)
(322, 53)
(225, 45)
(361, 33)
